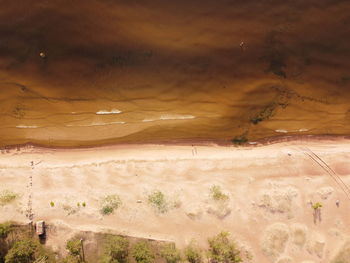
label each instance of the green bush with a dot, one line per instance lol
(52, 204)
(142, 253)
(317, 206)
(21, 252)
(158, 200)
(193, 254)
(110, 203)
(217, 194)
(5, 229)
(115, 250)
(170, 253)
(223, 250)
(74, 247)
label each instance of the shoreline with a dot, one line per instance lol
(187, 142)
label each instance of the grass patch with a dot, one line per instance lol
(158, 200)
(217, 194)
(5, 229)
(110, 203)
(7, 197)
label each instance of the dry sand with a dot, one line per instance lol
(269, 189)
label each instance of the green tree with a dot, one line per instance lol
(193, 254)
(223, 250)
(21, 252)
(142, 253)
(116, 250)
(170, 253)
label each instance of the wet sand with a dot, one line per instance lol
(269, 188)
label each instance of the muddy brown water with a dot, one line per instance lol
(89, 72)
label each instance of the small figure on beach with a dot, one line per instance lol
(242, 45)
(337, 203)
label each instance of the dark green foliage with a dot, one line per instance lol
(240, 139)
(22, 252)
(142, 253)
(5, 229)
(223, 250)
(170, 253)
(115, 250)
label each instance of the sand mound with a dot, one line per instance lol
(299, 234)
(316, 244)
(278, 200)
(285, 259)
(274, 239)
(343, 255)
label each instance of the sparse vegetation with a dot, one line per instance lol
(158, 200)
(240, 139)
(170, 253)
(83, 204)
(115, 250)
(223, 250)
(52, 204)
(217, 194)
(74, 248)
(110, 203)
(7, 197)
(142, 253)
(193, 254)
(5, 229)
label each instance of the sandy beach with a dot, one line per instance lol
(268, 211)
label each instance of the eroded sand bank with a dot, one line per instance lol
(269, 189)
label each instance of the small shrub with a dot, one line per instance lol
(115, 250)
(158, 200)
(317, 206)
(78, 204)
(170, 253)
(83, 204)
(110, 203)
(223, 250)
(5, 229)
(217, 194)
(193, 254)
(7, 197)
(142, 253)
(52, 204)
(240, 139)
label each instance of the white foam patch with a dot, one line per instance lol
(171, 117)
(96, 124)
(303, 130)
(27, 126)
(106, 112)
(281, 130)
